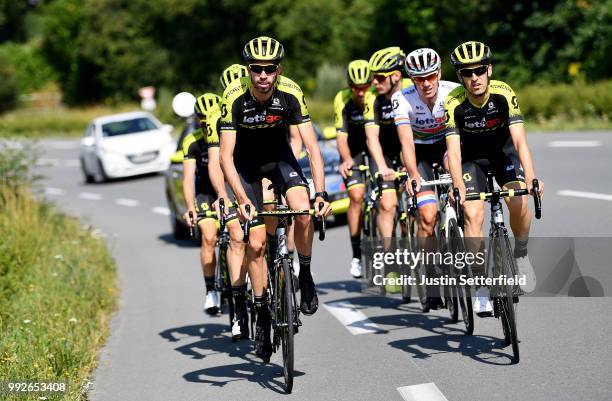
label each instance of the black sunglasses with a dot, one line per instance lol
(258, 69)
(467, 72)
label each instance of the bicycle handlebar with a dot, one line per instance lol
(282, 213)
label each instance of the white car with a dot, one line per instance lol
(123, 145)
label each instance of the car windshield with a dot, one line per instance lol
(128, 126)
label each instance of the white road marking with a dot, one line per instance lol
(161, 210)
(127, 202)
(421, 392)
(42, 162)
(587, 195)
(574, 144)
(63, 145)
(354, 320)
(53, 191)
(72, 163)
(90, 196)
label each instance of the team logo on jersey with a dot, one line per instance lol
(491, 105)
(261, 118)
(395, 104)
(275, 101)
(510, 167)
(467, 177)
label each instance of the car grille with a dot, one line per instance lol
(143, 157)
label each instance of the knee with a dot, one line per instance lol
(209, 240)
(428, 218)
(303, 220)
(388, 205)
(356, 197)
(474, 215)
(235, 233)
(256, 246)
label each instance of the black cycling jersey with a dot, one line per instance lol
(195, 148)
(262, 128)
(350, 122)
(484, 129)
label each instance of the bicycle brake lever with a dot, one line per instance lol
(322, 229)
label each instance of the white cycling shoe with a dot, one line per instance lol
(356, 268)
(482, 303)
(526, 269)
(212, 304)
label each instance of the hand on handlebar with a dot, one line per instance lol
(325, 210)
(189, 217)
(529, 184)
(243, 212)
(388, 174)
(409, 185)
(462, 192)
(345, 167)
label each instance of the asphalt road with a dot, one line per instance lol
(163, 347)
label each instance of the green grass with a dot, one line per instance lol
(57, 291)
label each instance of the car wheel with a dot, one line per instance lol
(89, 178)
(101, 176)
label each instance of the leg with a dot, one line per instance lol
(353, 216)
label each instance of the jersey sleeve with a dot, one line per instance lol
(341, 122)
(451, 103)
(228, 106)
(514, 111)
(369, 115)
(213, 123)
(296, 103)
(190, 147)
(401, 109)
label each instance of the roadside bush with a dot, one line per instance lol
(8, 85)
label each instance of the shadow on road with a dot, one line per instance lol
(181, 243)
(203, 340)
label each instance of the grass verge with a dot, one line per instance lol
(57, 291)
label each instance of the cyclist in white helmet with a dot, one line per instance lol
(419, 116)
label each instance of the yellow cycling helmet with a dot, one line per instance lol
(470, 53)
(358, 73)
(387, 60)
(204, 104)
(263, 48)
(231, 73)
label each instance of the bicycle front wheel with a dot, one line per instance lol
(462, 298)
(287, 309)
(505, 296)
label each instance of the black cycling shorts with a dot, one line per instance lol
(355, 178)
(505, 165)
(393, 163)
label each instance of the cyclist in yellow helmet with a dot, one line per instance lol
(381, 134)
(484, 129)
(199, 148)
(351, 141)
(231, 73)
(257, 112)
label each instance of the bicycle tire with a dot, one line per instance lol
(226, 284)
(462, 293)
(410, 229)
(287, 308)
(505, 297)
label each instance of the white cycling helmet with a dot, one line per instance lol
(422, 62)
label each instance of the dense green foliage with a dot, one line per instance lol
(107, 49)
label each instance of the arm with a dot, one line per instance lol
(316, 163)
(453, 150)
(408, 154)
(372, 132)
(216, 175)
(519, 138)
(345, 153)
(228, 142)
(189, 167)
(295, 141)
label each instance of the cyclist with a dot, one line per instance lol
(256, 113)
(419, 116)
(485, 126)
(231, 73)
(351, 141)
(208, 179)
(381, 135)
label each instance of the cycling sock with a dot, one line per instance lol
(520, 247)
(210, 283)
(304, 266)
(356, 245)
(260, 301)
(272, 246)
(239, 293)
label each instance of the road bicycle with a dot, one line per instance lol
(500, 258)
(284, 310)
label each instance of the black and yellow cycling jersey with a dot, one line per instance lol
(483, 128)
(349, 121)
(378, 111)
(195, 149)
(262, 128)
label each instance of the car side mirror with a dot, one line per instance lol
(88, 141)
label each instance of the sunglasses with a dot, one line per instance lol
(383, 75)
(258, 69)
(430, 78)
(467, 72)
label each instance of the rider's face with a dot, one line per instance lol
(382, 82)
(428, 85)
(263, 81)
(476, 78)
(359, 92)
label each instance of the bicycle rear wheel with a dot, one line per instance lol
(287, 313)
(462, 298)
